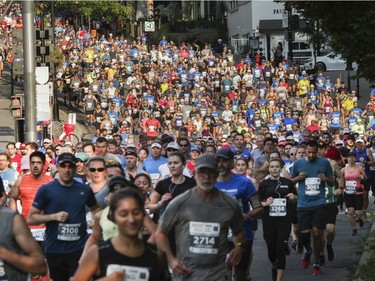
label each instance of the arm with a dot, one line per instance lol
(95, 235)
(234, 256)
(257, 208)
(32, 260)
(88, 266)
(162, 242)
(14, 193)
(36, 217)
(155, 204)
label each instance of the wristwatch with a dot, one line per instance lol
(240, 244)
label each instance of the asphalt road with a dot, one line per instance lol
(348, 251)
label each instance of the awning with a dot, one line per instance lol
(277, 25)
(270, 25)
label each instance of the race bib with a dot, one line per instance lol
(278, 207)
(312, 186)
(68, 231)
(154, 178)
(204, 237)
(350, 187)
(38, 233)
(3, 274)
(133, 273)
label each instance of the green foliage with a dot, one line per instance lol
(366, 271)
(351, 27)
(111, 10)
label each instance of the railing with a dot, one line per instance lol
(239, 44)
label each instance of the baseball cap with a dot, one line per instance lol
(206, 161)
(225, 153)
(281, 143)
(195, 148)
(350, 137)
(23, 145)
(131, 145)
(339, 142)
(352, 154)
(67, 158)
(117, 182)
(281, 138)
(82, 156)
(360, 140)
(47, 141)
(289, 138)
(131, 153)
(156, 144)
(173, 145)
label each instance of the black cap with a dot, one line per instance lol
(66, 158)
(206, 161)
(117, 182)
(225, 153)
(351, 153)
(131, 153)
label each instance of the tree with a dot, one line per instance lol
(350, 27)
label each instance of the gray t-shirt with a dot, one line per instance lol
(201, 230)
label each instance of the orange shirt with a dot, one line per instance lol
(28, 188)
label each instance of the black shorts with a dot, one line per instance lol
(354, 201)
(330, 212)
(311, 217)
(244, 262)
(63, 266)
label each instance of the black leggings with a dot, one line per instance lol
(276, 231)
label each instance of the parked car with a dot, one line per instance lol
(330, 61)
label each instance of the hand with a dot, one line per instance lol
(166, 197)
(116, 276)
(269, 201)
(322, 176)
(61, 216)
(337, 192)
(178, 267)
(302, 175)
(291, 196)
(234, 256)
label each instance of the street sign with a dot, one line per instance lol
(149, 26)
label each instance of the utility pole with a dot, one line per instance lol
(290, 32)
(29, 71)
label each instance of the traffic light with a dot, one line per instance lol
(150, 9)
(16, 106)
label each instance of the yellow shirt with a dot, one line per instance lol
(89, 55)
(304, 87)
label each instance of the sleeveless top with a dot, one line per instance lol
(9, 273)
(146, 264)
(352, 182)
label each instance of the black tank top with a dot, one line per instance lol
(148, 260)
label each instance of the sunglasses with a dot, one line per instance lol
(184, 145)
(292, 154)
(100, 170)
(79, 160)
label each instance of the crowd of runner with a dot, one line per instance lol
(185, 131)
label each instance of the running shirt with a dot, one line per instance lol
(311, 190)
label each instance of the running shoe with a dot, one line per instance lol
(354, 232)
(306, 259)
(361, 223)
(294, 245)
(331, 253)
(322, 260)
(316, 270)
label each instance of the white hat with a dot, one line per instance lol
(47, 141)
(360, 140)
